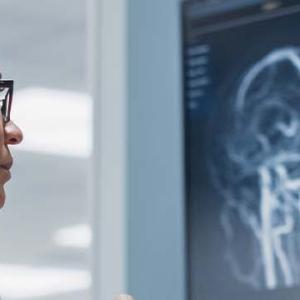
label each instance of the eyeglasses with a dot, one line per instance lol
(6, 96)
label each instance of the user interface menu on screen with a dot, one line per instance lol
(242, 127)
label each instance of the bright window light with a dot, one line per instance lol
(53, 121)
(24, 282)
(78, 236)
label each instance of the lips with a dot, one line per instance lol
(5, 174)
(7, 166)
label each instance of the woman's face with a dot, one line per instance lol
(10, 134)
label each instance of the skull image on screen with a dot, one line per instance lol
(256, 170)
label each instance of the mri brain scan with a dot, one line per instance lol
(242, 124)
(261, 192)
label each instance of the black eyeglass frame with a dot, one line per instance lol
(7, 101)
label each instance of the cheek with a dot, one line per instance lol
(2, 137)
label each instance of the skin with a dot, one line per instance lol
(10, 134)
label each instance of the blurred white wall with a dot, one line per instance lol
(44, 226)
(107, 44)
(43, 43)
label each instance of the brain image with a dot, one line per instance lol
(255, 168)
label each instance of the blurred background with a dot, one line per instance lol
(56, 54)
(97, 204)
(45, 233)
(44, 229)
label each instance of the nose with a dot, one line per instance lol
(12, 134)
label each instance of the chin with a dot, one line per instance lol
(2, 197)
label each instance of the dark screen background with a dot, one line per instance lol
(231, 53)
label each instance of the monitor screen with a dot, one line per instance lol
(242, 128)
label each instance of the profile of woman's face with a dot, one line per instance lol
(10, 134)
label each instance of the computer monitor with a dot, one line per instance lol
(242, 149)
